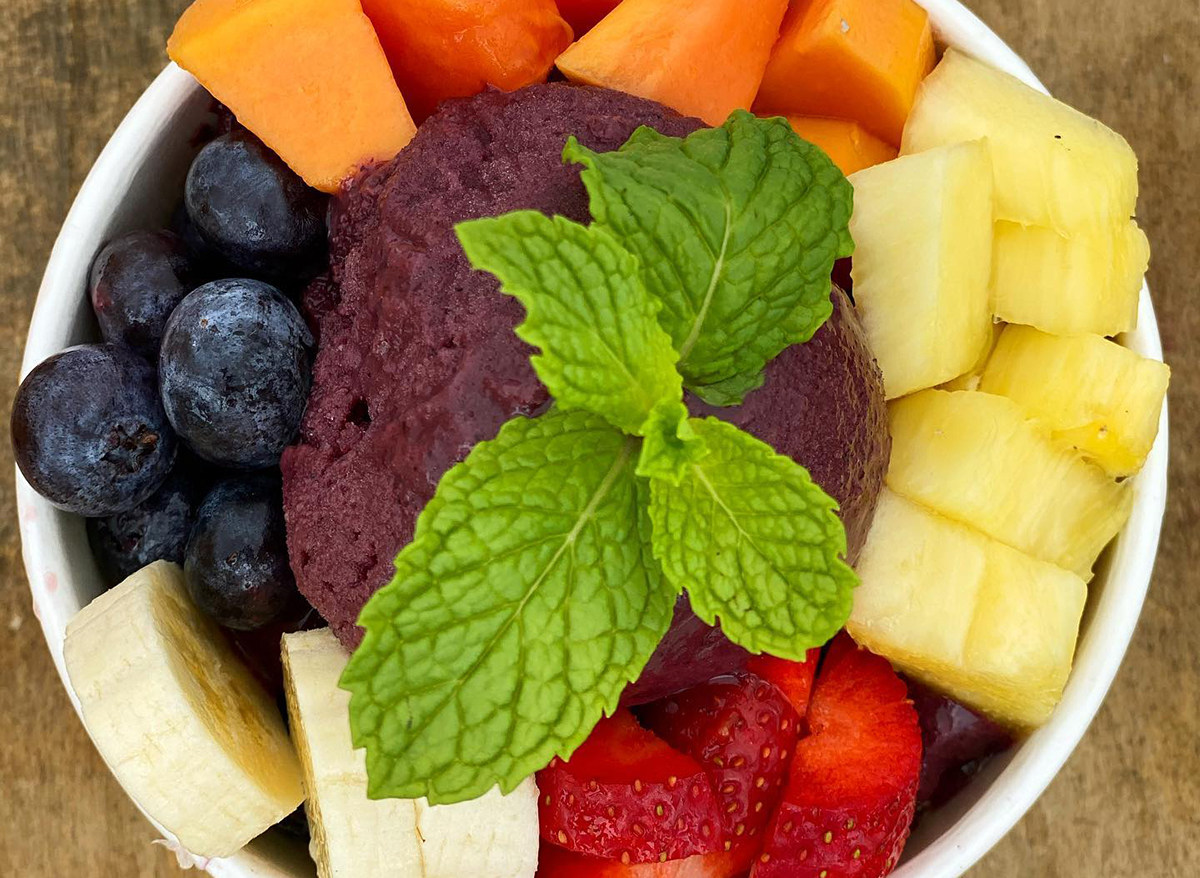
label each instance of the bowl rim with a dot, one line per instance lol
(47, 535)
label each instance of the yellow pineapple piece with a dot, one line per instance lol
(980, 460)
(969, 380)
(965, 614)
(922, 226)
(1054, 166)
(1088, 283)
(1094, 395)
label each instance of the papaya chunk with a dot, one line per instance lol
(850, 59)
(705, 61)
(583, 15)
(851, 148)
(308, 77)
(441, 49)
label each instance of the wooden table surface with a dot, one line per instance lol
(1128, 802)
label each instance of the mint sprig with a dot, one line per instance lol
(737, 229)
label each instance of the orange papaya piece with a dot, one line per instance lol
(850, 59)
(308, 77)
(442, 49)
(705, 61)
(851, 148)
(583, 15)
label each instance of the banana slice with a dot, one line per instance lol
(187, 731)
(356, 837)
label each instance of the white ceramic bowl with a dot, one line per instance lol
(138, 180)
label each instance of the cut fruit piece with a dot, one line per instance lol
(969, 380)
(793, 679)
(966, 615)
(852, 792)
(922, 226)
(442, 49)
(1054, 166)
(583, 15)
(357, 837)
(627, 795)
(559, 863)
(187, 731)
(1088, 283)
(1094, 395)
(706, 60)
(850, 59)
(851, 148)
(307, 76)
(978, 459)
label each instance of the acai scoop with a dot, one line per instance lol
(417, 357)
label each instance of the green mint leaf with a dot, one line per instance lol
(526, 602)
(731, 391)
(736, 229)
(756, 543)
(671, 444)
(602, 348)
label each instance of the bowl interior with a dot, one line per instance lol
(137, 182)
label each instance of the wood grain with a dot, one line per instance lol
(1128, 802)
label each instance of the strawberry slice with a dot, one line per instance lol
(629, 796)
(558, 863)
(743, 731)
(793, 679)
(850, 797)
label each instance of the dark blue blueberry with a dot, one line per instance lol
(236, 563)
(235, 370)
(254, 210)
(157, 530)
(136, 282)
(89, 432)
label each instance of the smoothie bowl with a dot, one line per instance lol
(646, 487)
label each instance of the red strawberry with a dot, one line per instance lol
(743, 731)
(849, 801)
(558, 863)
(626, 795)
(793, 679)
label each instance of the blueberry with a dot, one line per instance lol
(236, 564)
(136, 282)
(157, 530)
(89, 432)
(254, 210)
(235, 372)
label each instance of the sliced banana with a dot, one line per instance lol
(186, 729)
(356, 837)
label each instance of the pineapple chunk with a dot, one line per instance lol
(1054, 166)
(923, 232)
(969, 380)
(1088, 283)
(966, 614)
(977, 458)
(1094, 395)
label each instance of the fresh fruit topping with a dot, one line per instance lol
(743, 731)
(89, 432)
(443, 49)
(851, 148)
(583, 15)
(307, 76)
(656, 50)
(852, 791)
(955, 741)
(965, 614)
(235, 372)
(136, 282)
(354, 835)
(850, 59)
(237, 562)
(1088, 283)
(1094, 395)
(921, 283)
(189, 734)
(259, 648)
(969, 380)
(793, 679)
(558, 863)
(627, 795)
(155, 530)
(979, 459)
(1054, 167)
(254, 211)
